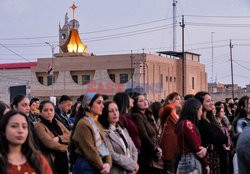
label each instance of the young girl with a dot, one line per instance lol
(17, 151)
(22, 103)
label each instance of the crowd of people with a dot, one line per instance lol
(125, 135)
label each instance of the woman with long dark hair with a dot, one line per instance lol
(17, 151)
(149, 150)
(22, 103)
(89, 151)
(189, 140)
(54, 138)
(224, 150)
(211, 135)
(242, 116)
(123, 151)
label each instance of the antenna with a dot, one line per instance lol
(174, 25)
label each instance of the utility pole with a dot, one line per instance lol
(174, 25)
(212, 44)
(183, 57)
(144, 70)
(232, 74)
(131, 70)
(52, 46)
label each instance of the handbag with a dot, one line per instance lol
(158, 162)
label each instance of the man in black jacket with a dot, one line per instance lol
(62, 110)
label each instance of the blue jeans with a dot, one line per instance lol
(189, 164)
(82, 166)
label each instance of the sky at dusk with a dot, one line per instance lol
(119, 26)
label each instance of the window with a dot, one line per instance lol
(112, 77)
(123, 78)
(192, 82)
(174, 79)
(170, 79)
(40, 79)
(85, 79)
(63, 36)
(161, 80)
(50, 78)
(75, 78)
(166, 78)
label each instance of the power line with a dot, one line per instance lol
(241, 65)
(126, 35)
(218, 25)
(216, 16)
(241, 60)
(128, 26)
(90, 32)
(15, 53)
(112, 36)
(242, 76)
(145, 29)
(209, 47)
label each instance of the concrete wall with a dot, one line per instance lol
(13, 77)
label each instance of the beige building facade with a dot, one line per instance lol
(79, 73)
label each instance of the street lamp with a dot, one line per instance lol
(52, 46)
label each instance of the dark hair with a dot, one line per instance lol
(64, 98)
(218, 109)
(3, 107)
(105, 97)
(218, 103)
(81, 98)
(200, 96)
(135, 108)
(73, 109)
(45, 102)
(17, 99)
(227, 99)
(189, 111)
(33, 100)
(171, 96)
(188, 96)
(27, 149)
(155, 107)
(80, 114)
(103, 119)
(122, 101)
(241, 111)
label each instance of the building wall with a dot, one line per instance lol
(159, 75)
(13, 77)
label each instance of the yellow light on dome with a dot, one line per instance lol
(75, 44)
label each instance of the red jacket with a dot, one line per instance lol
(169, 137)
(189, 139)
